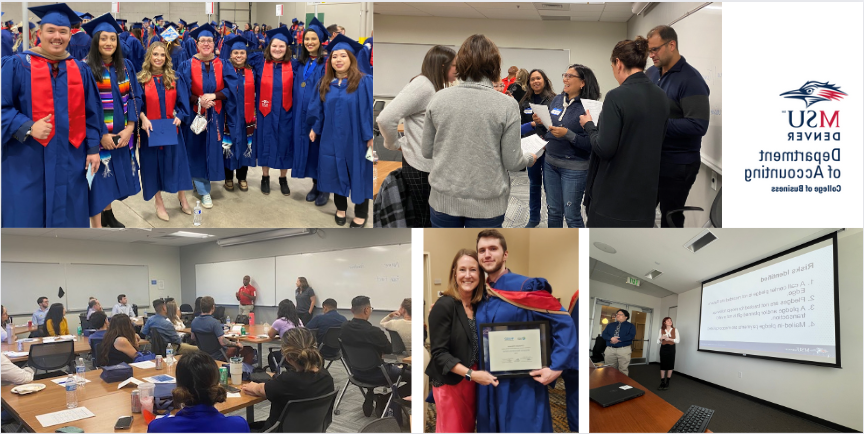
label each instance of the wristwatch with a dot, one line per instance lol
(29, 133)
(468, 375)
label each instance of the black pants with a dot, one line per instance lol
(361, 211)
(418, 193)
(241, 173)
(305, 317)
(675, 183)
(393, 371)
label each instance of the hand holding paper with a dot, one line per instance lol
(542, 112)
(595, 107)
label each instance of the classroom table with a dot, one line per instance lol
(82, 345)
(103, 399)
(647, 413)
(252, 332)
(21, 329)
(384, 169)
(407, 360)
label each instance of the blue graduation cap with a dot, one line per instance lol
(157, 18)
(102, 23)
(192, 25)
(237, 42)
(214, 24)
(282, 34)
(121, 21)
(301, 23)
(342, 42)
(137, 25)
(294, 20)
(84, 15)
(182, 23)
(282, 25)
(31, 25)
(57, 14)
(145, 20)
(318, 27)
(9, 23)
(229, 24)
(206, 31)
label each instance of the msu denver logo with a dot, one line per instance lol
(815, 91)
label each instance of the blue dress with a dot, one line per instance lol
(205, 150)
(275, 141)
(344, 122)
(79, 45)
(120, 180)
(242, 146)
(166, 168)
(199, 418)
(521, 404)
(45, 186)
(305, 153)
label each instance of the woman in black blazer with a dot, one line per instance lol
(455, 351)
(624, 171)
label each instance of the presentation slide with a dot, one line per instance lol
(783, 307)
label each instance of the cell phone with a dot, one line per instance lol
(123, 422)
(116, 139)
(70, 429)
(230, 388)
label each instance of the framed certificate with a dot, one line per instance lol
(513, 349)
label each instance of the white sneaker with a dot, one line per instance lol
(207, 201)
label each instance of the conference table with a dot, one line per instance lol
(647, 413)
(252, 333)
(103, 399)
(81, 345)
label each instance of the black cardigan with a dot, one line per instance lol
(449, 336)
(624, 172)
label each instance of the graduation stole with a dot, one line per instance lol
(74, 31)
(267, 86)
(537, 301)
(198, 81)
(573, 301)
(249, 115)
(151, 95)
(106, 95)
(43, 105)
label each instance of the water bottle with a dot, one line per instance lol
(79, 370)
(374, 166)
(10, 335)
(169, 355)
(251, 318)
(71, 392)
(79, 330)
(196, 214)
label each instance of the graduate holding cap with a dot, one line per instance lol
(210, 82)
(275, 141)
(163, 168)
(79, 45)
(121, 102)
(51, 120)
(238, 143)
(342, 116)
(310, 69)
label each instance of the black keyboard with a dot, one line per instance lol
(695, 419)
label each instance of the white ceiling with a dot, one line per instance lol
(641, 250)
(155, 236)
(615, 12)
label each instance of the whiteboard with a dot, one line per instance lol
(221, 280)
(399, 63)
(382, 273)
(106, 282)
(24, 282)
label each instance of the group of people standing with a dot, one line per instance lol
(60, 116)
(461, 141)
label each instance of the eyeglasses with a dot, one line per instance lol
(567, 76)
(656, 49)
(205, 42)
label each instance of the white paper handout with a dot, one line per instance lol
(533, 144)
(542, 112)
(233, 394)
(14, 354)
(130, 380)
(62, 381)
(64, 416)
(147, 364)
(595, 107)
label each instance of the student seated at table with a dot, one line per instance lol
(197, 310)
(286, 319)
(93, 306)
(99, 322)
(307, 379)
(198, 391)
(207, 324)
(119, 344)
(55, 320)
(172, 313)
(323, 322)
(5, 320)
(12, 374)
(159, 323)
(400, 322)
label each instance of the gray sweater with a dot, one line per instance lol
(471, 134)
(409, 104)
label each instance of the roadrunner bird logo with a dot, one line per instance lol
(815, 91)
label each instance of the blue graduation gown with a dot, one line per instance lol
(275, 141)
(236, 121)
(134, 51)
(7, 40)
(344, 122)
(521, 404)
(364, 57)
(199, 418)
(571, 379)
(45, 186)
(205, 150)
(166, 168)
(305, 153)
(178, 56)
(122, 175)
(79, 45)
(190, 47)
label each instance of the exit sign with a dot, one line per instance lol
(633, 281)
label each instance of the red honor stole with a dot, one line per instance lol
(267, 86)
(249, 95)
(198, 82)
(534, 300)
(43, 105)
(151, 95)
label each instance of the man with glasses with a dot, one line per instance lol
(688, 120)
(619, 338)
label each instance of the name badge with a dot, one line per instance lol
(556, 111)
(528, 111)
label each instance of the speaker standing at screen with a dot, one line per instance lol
(305, 297)
(669, 336)
(246, 295)
(619, 337)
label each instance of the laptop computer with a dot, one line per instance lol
(614, 393)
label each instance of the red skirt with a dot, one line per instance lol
(456, 407)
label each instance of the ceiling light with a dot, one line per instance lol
(700, 241)
(605, 247)
(652, 274)
(189, 234)
(263, 236)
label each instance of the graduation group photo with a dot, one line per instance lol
(219, 331)
(540, 115)
(500, 330)
(186, 114)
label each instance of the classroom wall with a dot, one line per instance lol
(616, 294)
(827, 393)
(590, 43)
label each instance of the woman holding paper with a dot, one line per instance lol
(540, 93)
(625, 164)
(454, 347)
(568, 149)
(165, 105)
(669, 336)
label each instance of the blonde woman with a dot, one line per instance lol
(518, 88)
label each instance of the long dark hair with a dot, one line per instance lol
(198, 381)
(288, 310)
(119, 326)
(592, 88)
(436, 65)
(55, 314)
(197, 306)
(305, 55)
(633, 53)
(547, 91)
(94, 59)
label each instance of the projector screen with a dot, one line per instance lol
(782, 308)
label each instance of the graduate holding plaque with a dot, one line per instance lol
(164, 165)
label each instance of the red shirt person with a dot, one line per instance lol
(246, 295)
